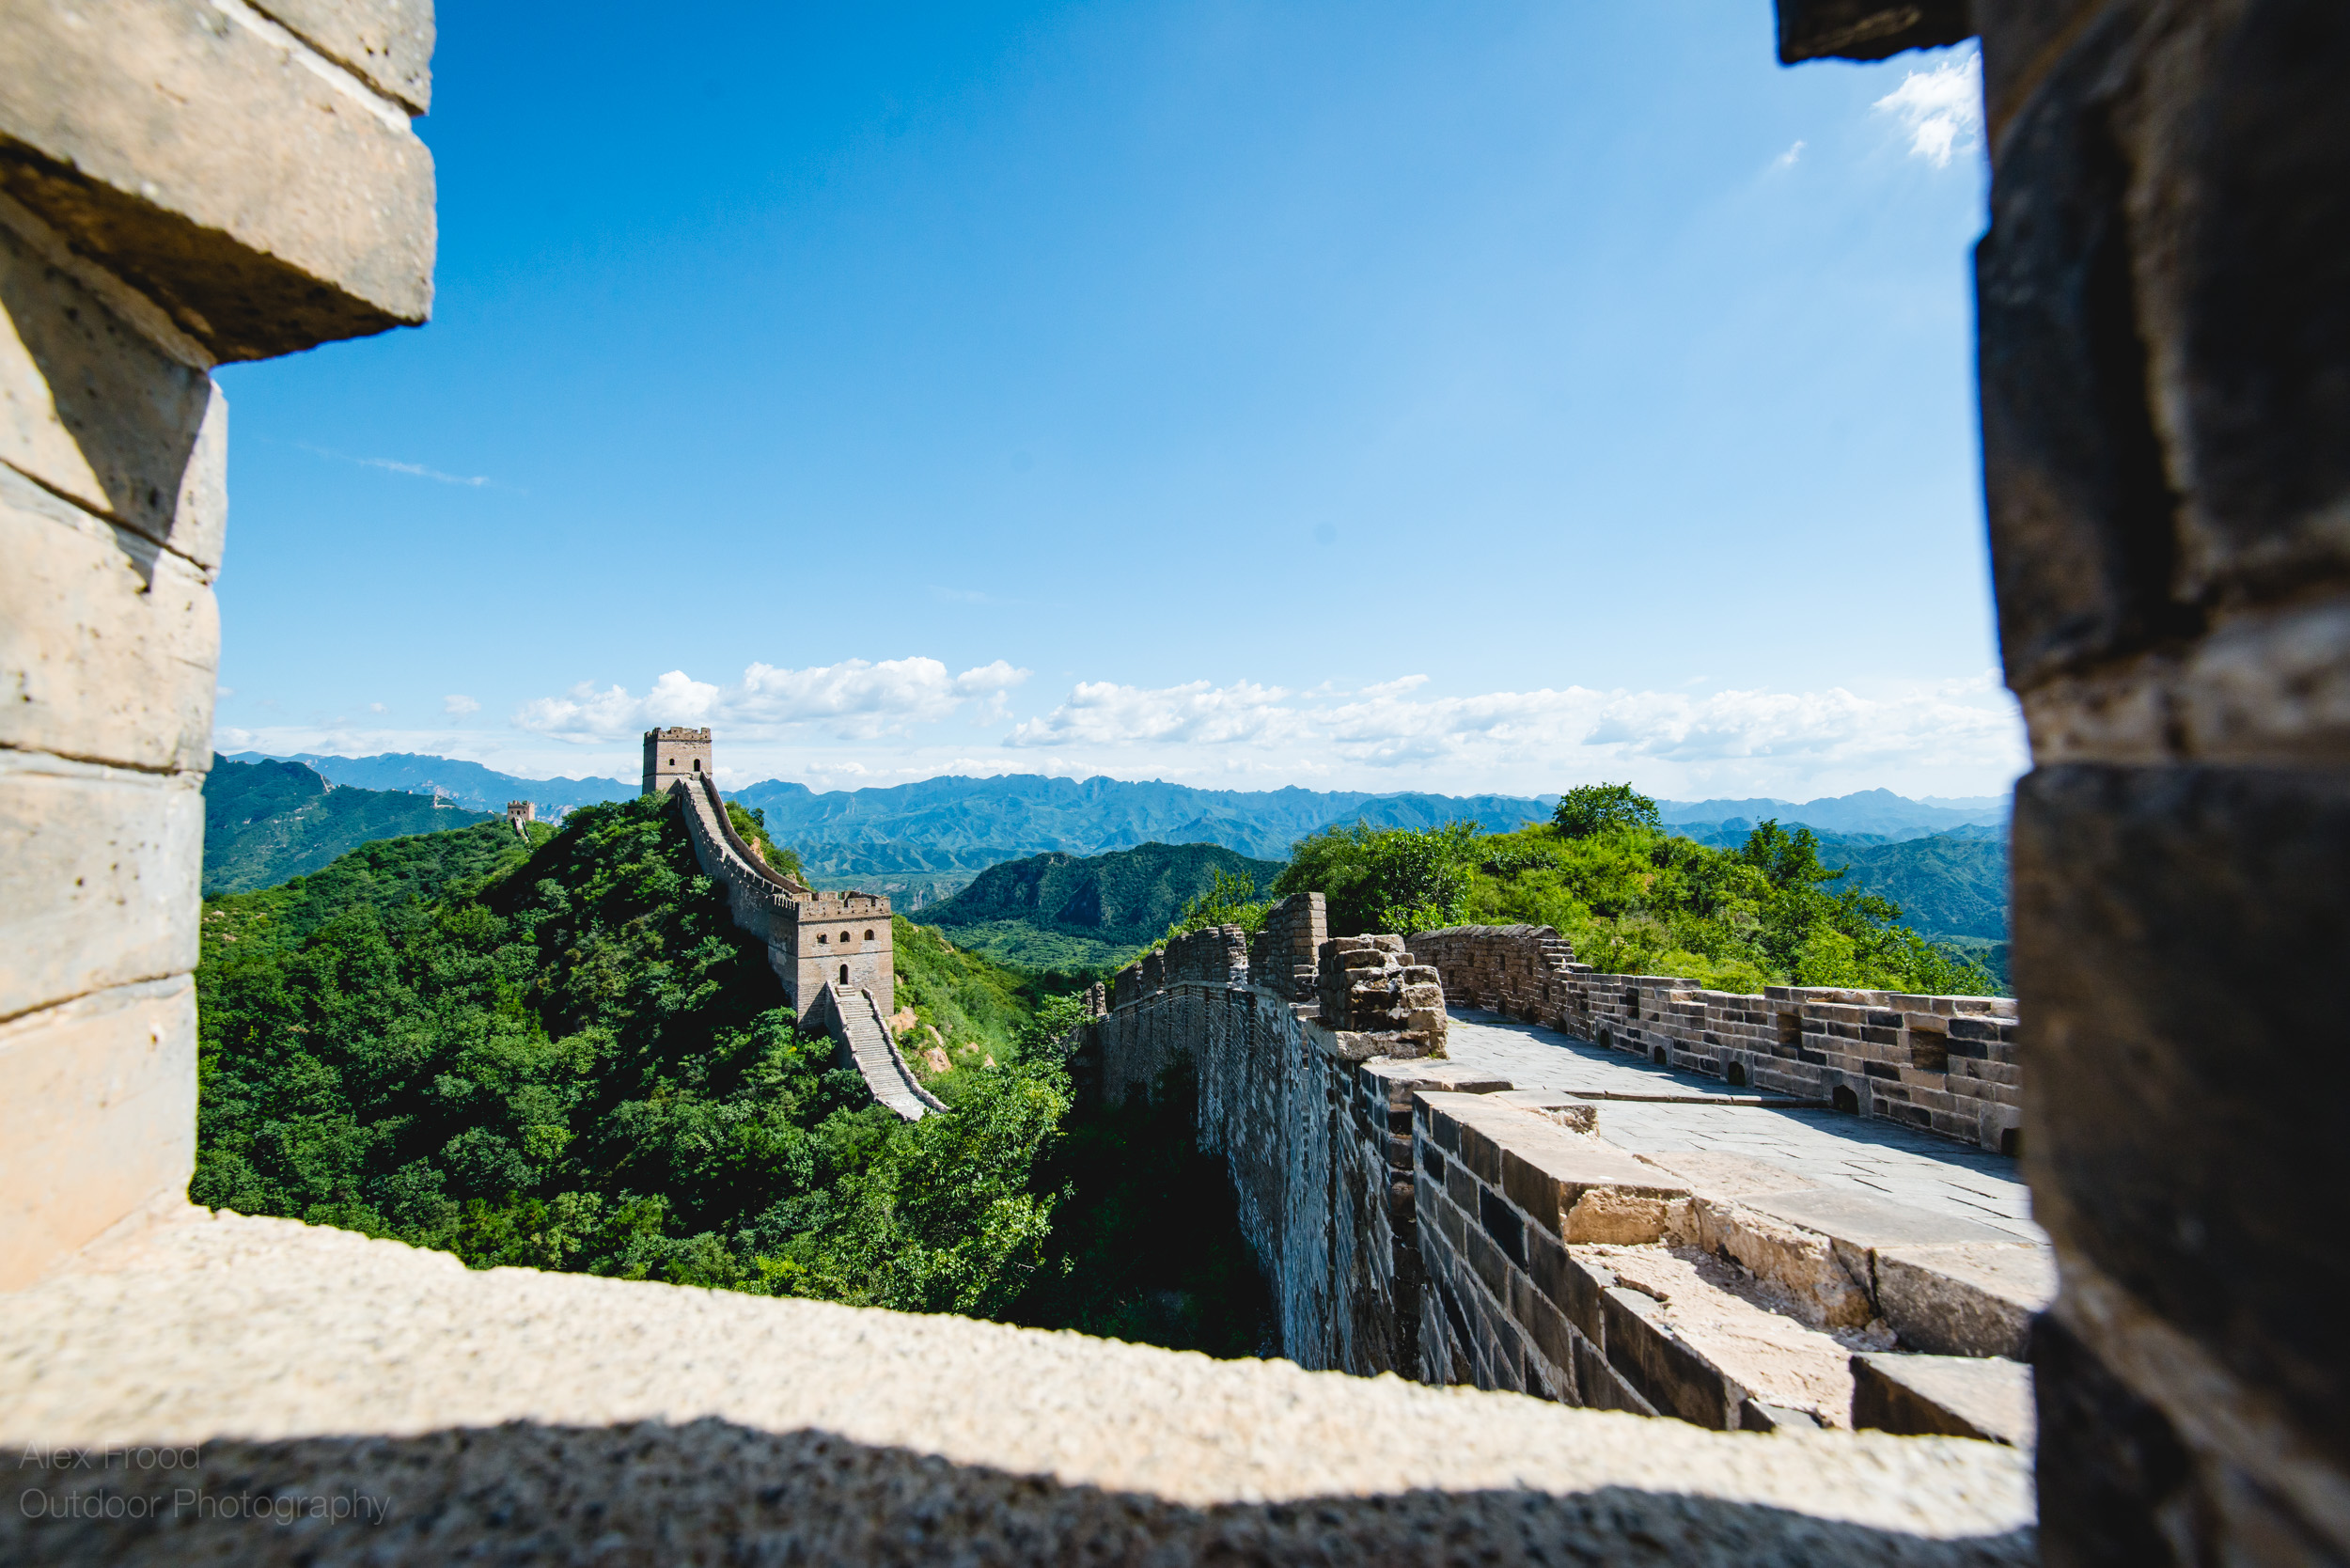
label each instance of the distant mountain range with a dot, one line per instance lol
(267, 822)
(469, 784)
(942, 827)
(970, 823)
(1877, 811)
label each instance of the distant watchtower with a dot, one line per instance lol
(519, 814)
(673, 754)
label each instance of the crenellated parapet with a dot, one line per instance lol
(1946, 1064)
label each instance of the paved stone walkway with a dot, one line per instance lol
(1864, 1154)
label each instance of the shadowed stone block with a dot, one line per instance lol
(1867, 29)
(108, 645)
(2171, 924)
(1944, 1396)
(98, 878)
(266, 200)
(94, 409)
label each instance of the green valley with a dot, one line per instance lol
(1063, 912)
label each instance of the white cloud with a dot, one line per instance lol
(852, 699)
(416, 470)
(377, 708)
(458, 703)
(1942, 108)
(1757, 741)
(1103, 713)
(1787, 158)
(857, 723)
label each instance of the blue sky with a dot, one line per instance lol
(1363, 396)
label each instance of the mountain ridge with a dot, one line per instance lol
(960, 824)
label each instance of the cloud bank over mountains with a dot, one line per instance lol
(859, 722)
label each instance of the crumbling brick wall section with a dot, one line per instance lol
(2164, 361)
(1946, 1064)
(181, 183)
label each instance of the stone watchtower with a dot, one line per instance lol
(814, 939)
(519, 814)
(675, 753)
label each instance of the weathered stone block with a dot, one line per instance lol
(1945, 1396)
(1974, 1298)
(2170, 927)
(1673, 1379)
(96, 411)
(1860, 1226)
(267, 202)
(387, 41)
(98, 878)
(96, 1116)
(108, 644)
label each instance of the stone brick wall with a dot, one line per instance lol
(2164, 363)
(1312, 1117)
(811, 937)
(1947, 1065)
(181, 183)
(674, 753)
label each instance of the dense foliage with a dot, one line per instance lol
(1593, 809)
(266, 822)
(1635, 899)
(1385, 878)
(563, 1056)
(577, 1064)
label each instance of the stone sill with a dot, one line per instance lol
(509, 1412)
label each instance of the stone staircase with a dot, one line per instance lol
(857, 1022)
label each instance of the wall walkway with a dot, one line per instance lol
(1436, 1196)
(1945, 1063)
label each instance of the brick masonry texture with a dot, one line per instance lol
(1947, 1065)
(1413, 1215)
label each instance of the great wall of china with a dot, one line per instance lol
(830, 951)
(1418, 1209)
(2162, 355)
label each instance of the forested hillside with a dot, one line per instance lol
(265, 822)
(1060, 912)
(1635, 899)
(565, 1055)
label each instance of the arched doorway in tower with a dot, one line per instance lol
(844, 974)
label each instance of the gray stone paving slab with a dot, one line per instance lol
(1861, 1155)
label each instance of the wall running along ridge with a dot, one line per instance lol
(789, 916)
(1946, 1064)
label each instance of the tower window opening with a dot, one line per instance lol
(844, 974)
(847, 937)
(821, 940)
(868, 936)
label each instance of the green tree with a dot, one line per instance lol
(1590, 809)
(1230, 900)
(1397, 879)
